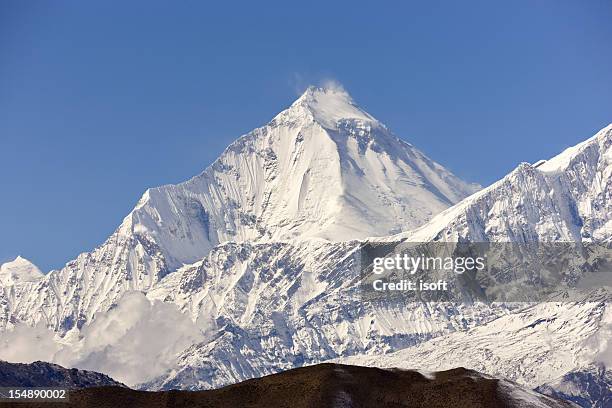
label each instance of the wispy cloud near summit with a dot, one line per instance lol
(300, 82)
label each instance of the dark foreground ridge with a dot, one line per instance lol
(328, 385)
(41, 374)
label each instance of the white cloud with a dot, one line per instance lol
(299, 82)
(25, 344)
(134, 342)
(332, 84)
(598, 347)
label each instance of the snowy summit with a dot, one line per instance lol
(330, 105)
(17, 271)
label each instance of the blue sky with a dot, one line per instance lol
(100, 100)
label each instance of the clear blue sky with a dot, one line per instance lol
(101, 99)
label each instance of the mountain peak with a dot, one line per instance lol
(19, 270)
(19, 260)
(602, 141)
(329, 105)
(335, 90)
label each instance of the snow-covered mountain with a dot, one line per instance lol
(567, 198)
(262, 249)
(323, 168)
(18, 271)
(321, 313)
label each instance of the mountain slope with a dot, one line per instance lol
(275, 306)
(41, 374)
(335, 385)
(590, 387)
(531, 347)
(323, 168)
(567, 198)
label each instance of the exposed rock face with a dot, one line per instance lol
(590, 387)
(41, 374)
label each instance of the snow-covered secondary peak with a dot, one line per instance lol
(329, 106)
(17, 271)
(602, 139)
(567, 198)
